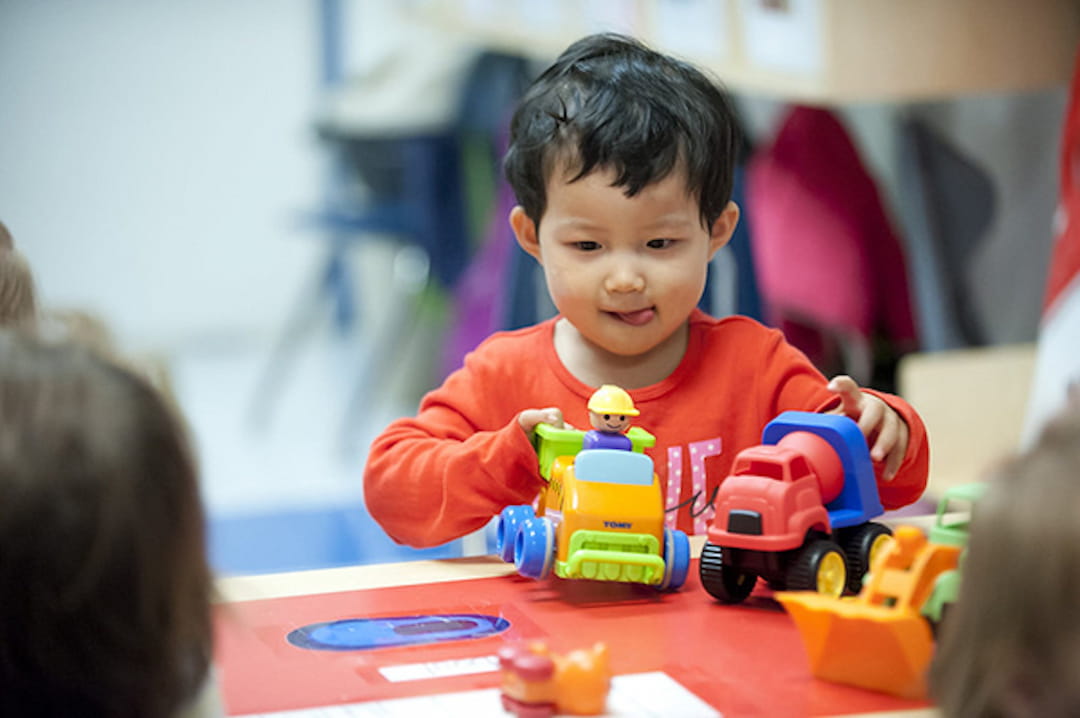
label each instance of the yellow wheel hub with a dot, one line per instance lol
(877, 548)
(831, 575)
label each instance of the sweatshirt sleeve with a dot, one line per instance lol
(800, 385)
(442, 474)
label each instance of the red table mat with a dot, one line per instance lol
(745, 660)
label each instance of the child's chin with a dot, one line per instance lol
(627, 347)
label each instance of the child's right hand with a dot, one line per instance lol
(529, 418)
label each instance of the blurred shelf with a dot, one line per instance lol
(813, 51)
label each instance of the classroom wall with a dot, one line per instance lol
(156, 156)
(157, 159)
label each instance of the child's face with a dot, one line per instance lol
(625, 271)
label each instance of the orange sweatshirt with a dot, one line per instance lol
(445, 472)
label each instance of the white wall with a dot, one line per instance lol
(156, 156)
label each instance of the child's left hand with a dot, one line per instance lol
(883, 428)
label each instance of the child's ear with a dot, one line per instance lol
(525, 231)
(722, 229)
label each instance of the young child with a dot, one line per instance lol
(622, 161)
(1010, 646)
(104, 585)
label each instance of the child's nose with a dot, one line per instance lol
(624, 277)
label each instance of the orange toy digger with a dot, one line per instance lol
(878, 639)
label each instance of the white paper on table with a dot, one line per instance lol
(642, 695)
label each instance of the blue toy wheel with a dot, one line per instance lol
(510, 520)
(676, 559)
(534, 549)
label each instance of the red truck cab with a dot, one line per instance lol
(795, 511)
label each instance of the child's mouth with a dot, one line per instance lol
(636, 318)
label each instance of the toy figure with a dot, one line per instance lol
(610, 409)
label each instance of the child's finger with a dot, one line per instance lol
(553, 416)
(529, 418)
(888, 432)
(850, 396)
(892, 465)
(874, 414)
(893, 460)
(896, 446)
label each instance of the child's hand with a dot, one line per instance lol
(879, 423)
(529, 418)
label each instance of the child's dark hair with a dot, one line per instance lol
(610, 102)
(104, 585)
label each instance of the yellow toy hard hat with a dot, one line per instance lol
(610, 399)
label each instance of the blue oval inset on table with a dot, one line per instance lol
(364, 634)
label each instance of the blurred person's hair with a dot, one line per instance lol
(19, 308)
(18, 298)
(104, 583)
(1010, 646)
(6, 242)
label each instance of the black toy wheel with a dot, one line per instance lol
(862, 544)
(724, 583)
(820, 566)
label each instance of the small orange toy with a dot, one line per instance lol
(537, 683)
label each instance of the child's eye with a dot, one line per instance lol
(587, 246)
(660, 243)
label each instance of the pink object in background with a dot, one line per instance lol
(830, 268)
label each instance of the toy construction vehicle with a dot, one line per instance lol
(600, 516)
(883, 639)
(796, 511)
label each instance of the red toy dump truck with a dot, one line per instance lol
(796, 511)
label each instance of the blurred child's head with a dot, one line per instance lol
(18, 303)
(1011, 644)
(6, 242)
(104, 584)
(611, 103)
